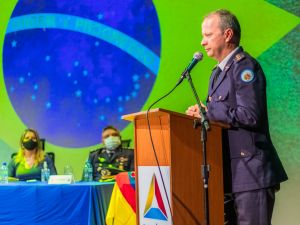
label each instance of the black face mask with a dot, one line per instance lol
(30, 145)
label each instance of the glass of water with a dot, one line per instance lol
(68, 170)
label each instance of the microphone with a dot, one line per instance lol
(198, 56)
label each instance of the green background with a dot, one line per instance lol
(270, 32)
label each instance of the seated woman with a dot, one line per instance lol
(28, 162)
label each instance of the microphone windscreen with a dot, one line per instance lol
(198, 56)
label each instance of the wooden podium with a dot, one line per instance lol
(178, 147)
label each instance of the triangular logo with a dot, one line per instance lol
(154, 208)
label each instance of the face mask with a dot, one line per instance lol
(30, 145)
(112, 142)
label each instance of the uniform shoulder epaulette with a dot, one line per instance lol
(93, 151)
(238, 57)
(126, 149)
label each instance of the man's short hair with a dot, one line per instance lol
(228, 20)
(110, 127)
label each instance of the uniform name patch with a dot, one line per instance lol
(247, 75)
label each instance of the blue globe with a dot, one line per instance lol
(74, 67)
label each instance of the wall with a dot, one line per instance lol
(120, 80)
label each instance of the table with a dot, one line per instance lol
(38, 203)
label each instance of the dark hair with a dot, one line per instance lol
(228, 20)
(110, 127)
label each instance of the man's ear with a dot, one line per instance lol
(228, 35)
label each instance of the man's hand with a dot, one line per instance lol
(194, 110)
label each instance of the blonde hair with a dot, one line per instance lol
(39, 152)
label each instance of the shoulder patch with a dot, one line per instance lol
(238, 57)
(247, 75)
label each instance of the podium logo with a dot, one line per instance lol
(154, 208)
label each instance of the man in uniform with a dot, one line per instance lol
(112, 158)
(237, 96)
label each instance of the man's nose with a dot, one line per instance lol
(203, 42)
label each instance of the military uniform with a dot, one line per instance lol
(238, 98)
(107, 164)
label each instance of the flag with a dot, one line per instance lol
(122, 206)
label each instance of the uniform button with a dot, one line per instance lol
(209, 98)
(220, 97)
(243, 154)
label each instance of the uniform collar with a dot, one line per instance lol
(224, 62)
(105, 150)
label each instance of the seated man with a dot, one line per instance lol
(112, 158)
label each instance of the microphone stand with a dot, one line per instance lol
(204, 128)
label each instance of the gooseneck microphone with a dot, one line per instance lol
(198, 56)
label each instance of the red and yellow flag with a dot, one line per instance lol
(122, 206)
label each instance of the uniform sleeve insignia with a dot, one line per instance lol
(247, 76)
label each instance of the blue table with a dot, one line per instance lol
(38, 203)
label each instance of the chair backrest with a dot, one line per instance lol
(42, 143)
(126, 143)
(52, 156)
(13, 155)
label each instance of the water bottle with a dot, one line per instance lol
(88, 172)
(4, 174)
(45, 172)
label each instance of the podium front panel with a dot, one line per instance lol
(178, 148)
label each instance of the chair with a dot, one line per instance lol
(42, 143)
(13, 155)
(126, 143)
(52, 156)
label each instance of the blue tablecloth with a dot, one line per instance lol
(38, 203)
